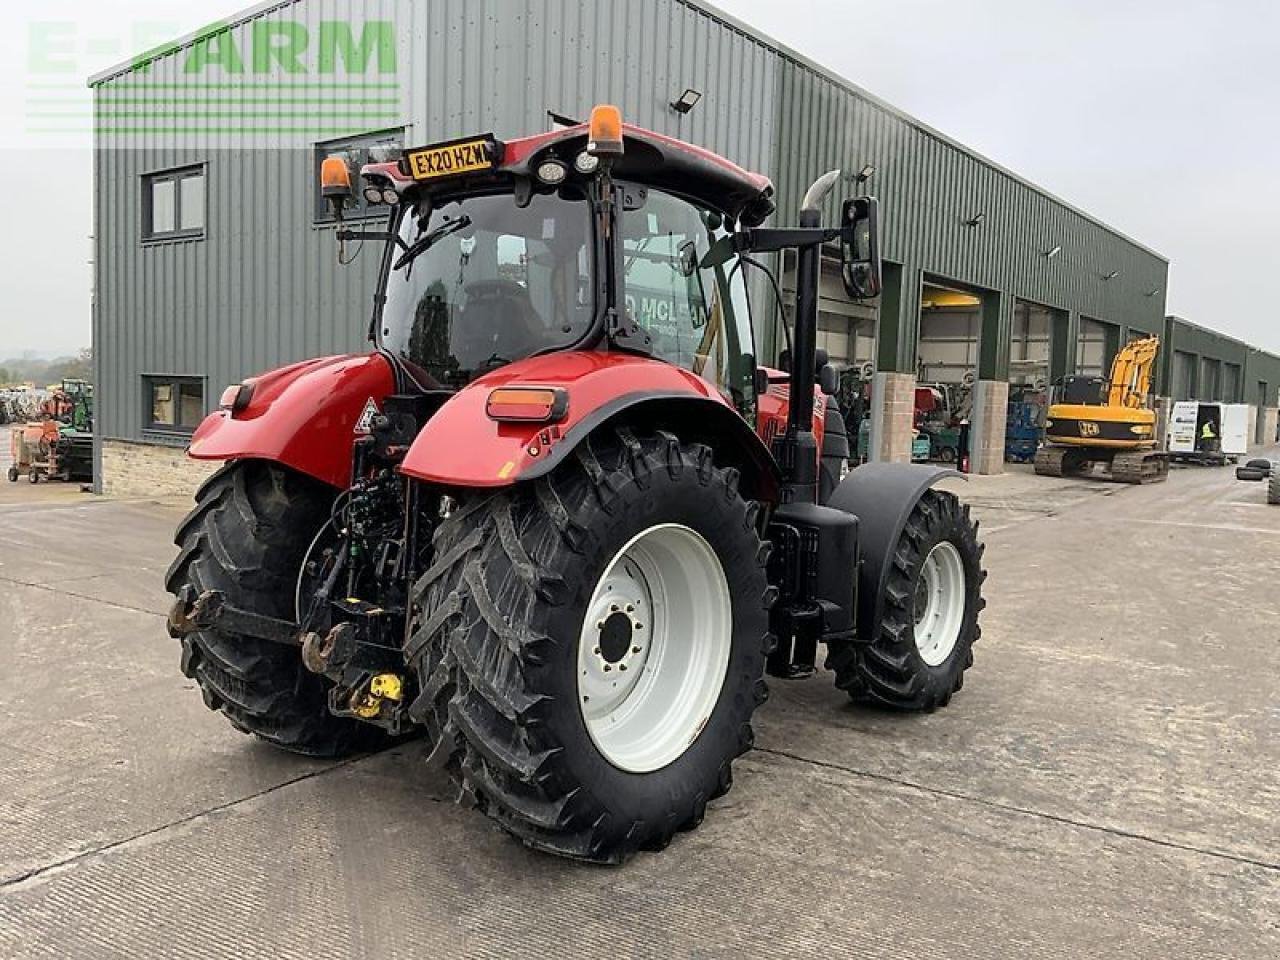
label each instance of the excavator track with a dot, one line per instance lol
(1125, 466)
(1139, 466)
(1061, 462)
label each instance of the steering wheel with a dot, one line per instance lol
(500, 318)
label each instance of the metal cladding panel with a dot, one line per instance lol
(1201, 343)
(929, 187)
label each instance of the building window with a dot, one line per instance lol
(173, 404)
(173, 204)
(357, 151)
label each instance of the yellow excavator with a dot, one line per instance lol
(1107, 422)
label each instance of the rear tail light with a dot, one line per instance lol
(236, 397)
(528, 404)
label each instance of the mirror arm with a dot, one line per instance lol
(769, 241)
(348, 235)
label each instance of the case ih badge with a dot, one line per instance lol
(569, 539)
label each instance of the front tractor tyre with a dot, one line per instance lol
(247, 537)
(592, 645)
(933, 595)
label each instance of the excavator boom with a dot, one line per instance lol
(1131, 374)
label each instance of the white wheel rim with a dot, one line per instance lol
(654, 648)
(939, 604)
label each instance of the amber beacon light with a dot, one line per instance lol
(606, 131)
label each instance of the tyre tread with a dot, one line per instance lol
(249, 524)
(887, 672)
(497, 566)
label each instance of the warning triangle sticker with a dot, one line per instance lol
(365, 423)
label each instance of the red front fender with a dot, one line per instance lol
(461, 445)
(303, 416)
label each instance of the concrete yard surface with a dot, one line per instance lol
(1107, 784)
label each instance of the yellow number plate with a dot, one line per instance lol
(451, 159)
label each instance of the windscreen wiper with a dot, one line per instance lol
(427, 241)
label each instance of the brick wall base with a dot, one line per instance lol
(150, 470)
(1164, 411)
(1271, 417)
(989, 420)
(893, 401)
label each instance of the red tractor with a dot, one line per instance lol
(559, 522)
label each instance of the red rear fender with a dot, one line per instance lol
(303, 416)
(462, 446)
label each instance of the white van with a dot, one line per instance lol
(1226, 439)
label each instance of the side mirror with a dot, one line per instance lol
(829, 380)
(860, 247)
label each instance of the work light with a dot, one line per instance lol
(552, 172)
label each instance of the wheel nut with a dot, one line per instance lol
(631, 608)
(622, 667)
(635, 649)
(607, 668)
(596, 651)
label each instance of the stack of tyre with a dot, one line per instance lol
(1258, 470)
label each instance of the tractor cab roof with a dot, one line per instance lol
(649, 159)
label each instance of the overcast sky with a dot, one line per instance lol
(1158, 117)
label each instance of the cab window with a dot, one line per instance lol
(697, 318)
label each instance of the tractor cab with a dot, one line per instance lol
(491, 278)
(593, 237)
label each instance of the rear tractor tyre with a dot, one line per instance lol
(931, 604)
(1252, 474)
(247, 538)
(1273, 487)
(593, 645)
(14, 473)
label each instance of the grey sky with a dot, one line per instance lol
(1155, 116)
